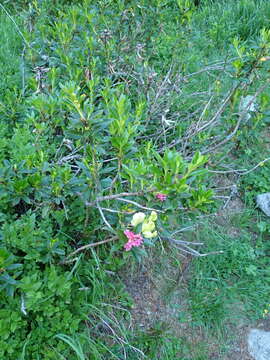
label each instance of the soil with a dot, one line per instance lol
(151, 307)
(157, 302)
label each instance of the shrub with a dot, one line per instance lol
(94, 136)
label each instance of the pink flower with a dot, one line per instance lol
(133, 240)
(161, 197)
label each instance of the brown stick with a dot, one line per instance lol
(92, 245)
(114, 196)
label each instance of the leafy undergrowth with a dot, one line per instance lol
(119, 124)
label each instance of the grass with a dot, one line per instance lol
(10, 56)
(197, 300)
(217, 294)
(224, 280)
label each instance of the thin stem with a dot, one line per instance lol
(15, 24)
(104, 219)
(88, 246)
(139, 205)
(112, 197)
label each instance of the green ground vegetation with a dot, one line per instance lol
(103, 106)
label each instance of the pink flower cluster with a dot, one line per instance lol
(161, 197)
(133, 240)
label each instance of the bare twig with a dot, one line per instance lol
(121, 340)
(255, 167)
(233, 193)
(240, 119)
(225, 171)
(220, 110)
(183, 242)
(217, 66)
(139, 205)
(212, 253)
(109, 160)
(112, 197)
(88, 246)
(117, 211)
(103, 218)
(186, 247)
(240, 172)
(68, 157)
(187, 228)
(23, 308)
